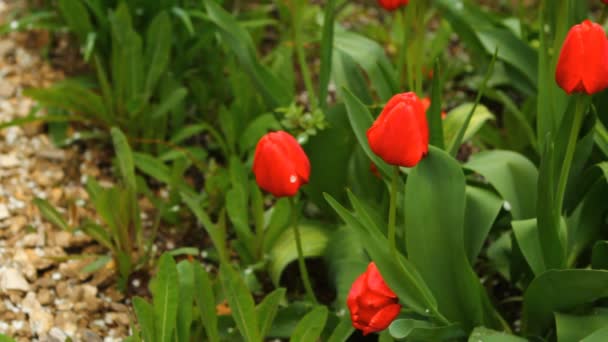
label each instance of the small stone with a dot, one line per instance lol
(57, 335)
(89, 291)
(118, 318)
(53, 154)
(40, 320)
(6, 46)
(24, 59)
(45, 296)
(62, 289)
(90, 336)
(67, 321)
(9, 161)
(62, 238)
(6, 88)
(32, 240)
(4, 214)
(12, 279)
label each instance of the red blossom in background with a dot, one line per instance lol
(391, 5)
(583, 62)
(372, 304)
(400, 135)
(280, 164)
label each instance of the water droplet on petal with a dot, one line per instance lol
(293, 179)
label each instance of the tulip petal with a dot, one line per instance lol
(400, 134)
(356, 290)
(383, 318)
(277, 162)
(595, 74)
(376, 283)
(583, 61)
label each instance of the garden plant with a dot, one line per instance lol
(416, 170)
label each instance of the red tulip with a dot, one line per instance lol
(400, 135)
(280, 164)
(605, 1)
(583, 61)
(391, 5)
(372, 304)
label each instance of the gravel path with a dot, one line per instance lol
(44, 294)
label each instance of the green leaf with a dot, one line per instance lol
(481, 32)
(482, 208)
(184, 16)
(327, 39)
(125, 158)
(345, 259)
(237, 38)
(598, 336)
(185, 273)
(97, 264)
(439, 254)
(314, 240)
(145, 316)
(98, 234)
(361, 120)
(158, 49)
(311, 325)
(51, 214)
(347, 75)
(267, 310)
(481, 334)
(574, 328)
(526, 233)
(241, 303)
(371, 57)
(77, 18)
(74, 97)
(127, 61)
(599, 255)
(457, 117)
(217, 235)
(559, 290)
(460, 135)
(166, 298)
(152, 166)
(436, 129)
(330, 165)
(512, 175)
(205, 300)
(415, 330)
(399, 274)
(342, 331)
(169, 103)
(280, 215)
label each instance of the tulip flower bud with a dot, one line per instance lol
(280, 164)
(372, 304)
(583, 61)
(391, 5)
(400, 134)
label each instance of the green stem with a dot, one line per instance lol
(579, 114)
(401, 56)
(303, 270)
(419, 49)
(392, 211)
(299, 46)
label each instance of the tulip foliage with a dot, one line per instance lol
(440, 174)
